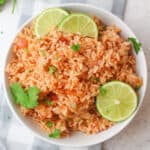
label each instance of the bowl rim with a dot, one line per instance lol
(4, 76)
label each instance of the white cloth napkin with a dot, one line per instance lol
(13, 135)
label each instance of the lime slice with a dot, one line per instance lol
(49, 19)
(118, 101)
(79, 24)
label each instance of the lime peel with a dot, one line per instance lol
(119, 102)
(49, 19)
(79, 24)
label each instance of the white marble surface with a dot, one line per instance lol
(137, 135)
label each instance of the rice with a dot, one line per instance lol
(73, 87)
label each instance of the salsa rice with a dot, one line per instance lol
(67, 95)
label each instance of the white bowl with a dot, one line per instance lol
(79, 139)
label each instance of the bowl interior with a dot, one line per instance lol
(79, 139)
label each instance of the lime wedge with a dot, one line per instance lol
(48, 19)
(79, 24)
(118, 101)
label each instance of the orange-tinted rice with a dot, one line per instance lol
(73, 87)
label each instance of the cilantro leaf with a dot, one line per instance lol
(94, 79)
(43, 52)
(55, 134)
(52, 69)
(136, 44)
(27, 99)
(33, 96)
(2, 2)
(30, 70)
(49, 102)
(26, 50)
(75, 47)
(102, 90)
(18, 93)
(49, 124)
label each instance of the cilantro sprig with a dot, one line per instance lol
(43, 52)
(49, 124)
(135, 44)
(30, 70)
(26, 50)
(75, 47)
(52, 69)
(2, 2)
(28, 98)
(49, 102)
(55, 134)
(94, 79)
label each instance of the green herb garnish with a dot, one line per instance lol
(2, 2)
(14, 5)
(48, 102)
(28, 98)
(75, 47)
(55, 134)
(26, 50)
(29, 71)
(136, 44)
(52, 69)
(43, 52)
(102, 90)
(94, 79)
(49, 124)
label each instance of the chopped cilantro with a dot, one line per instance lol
(33, 96)
(55, 134)
(136, 44)
(102, 90)
(19, 94)
(26, 50)
(48, 102)
(28, 98)
(75, 47)
(52, 69)
(29, 71)
(94, 79)
(2, 2)
(49, 124)
(43, 52)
